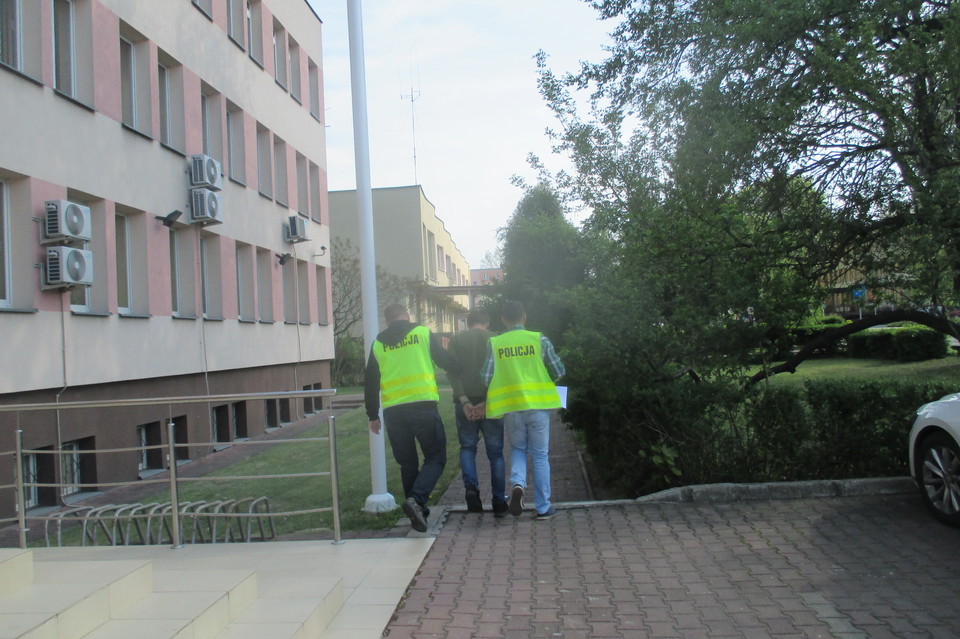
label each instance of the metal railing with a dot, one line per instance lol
(123, 522)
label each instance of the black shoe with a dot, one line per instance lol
(499, 509)
(551, 511)
(413, 510)
(516, 500)
(474, 504)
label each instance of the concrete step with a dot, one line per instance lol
(70, 599)
(16, 570)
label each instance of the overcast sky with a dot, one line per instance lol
(476, 110)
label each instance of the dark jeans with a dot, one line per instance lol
(406, 426)
(468, 433)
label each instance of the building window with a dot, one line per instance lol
(315, 199)
(175, 307)
(239, 410)
(246, 307)
(303, 293)
(148, 438)
(220, 424)
(290, 298)
(76, 466)
(30, 477)
(294, 69)
(170, 92)
(322, 288)
(280, 54)
(264, 168)
(432, 255)
(206, 6)
(64, 47)
(281, 187)
(235, 144)
(205, 275)
(211, 123)
(4, 246)
(10, 31)
(124, 303)
(255, 31)
(128, 82)
(313, 79)
(303, 186)
(264, 285)
(235, 18)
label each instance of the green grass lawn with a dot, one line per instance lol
(945, 369)
(295, 494)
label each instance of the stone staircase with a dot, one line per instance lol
(282, 590)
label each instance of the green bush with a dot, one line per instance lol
(686, 433)
(902, 343)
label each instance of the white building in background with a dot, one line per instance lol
(123, 274)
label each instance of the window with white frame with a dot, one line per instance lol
(235, 20)
(303, 185)
(128, 82)
(294, 68)
(64, 47)
(4, 246)
(280, 54)
(236, 155)
(315, 211)
(204, 5)
(246, 307)
(210, 276)
(303, 292)
(70, 468)
(265, 262)
(280, 185)
(170, 106)
(211, 123)
(124, 274)
(255, 31)
(205, 284)
(30, 476)
(10, 30)
(322, 306)
(290, 293)
(174, 242)
(313, 80)
(264, 165)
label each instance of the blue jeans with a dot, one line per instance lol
(529, 432)
(406, 426)
(468, 433)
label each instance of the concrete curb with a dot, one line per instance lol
(720, 493)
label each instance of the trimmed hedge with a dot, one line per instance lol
(905, 343)
(687, 433)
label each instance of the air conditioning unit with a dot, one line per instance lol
(205, 173)
(205, 207)
(295, 230)
(68, 267)
(66, 222)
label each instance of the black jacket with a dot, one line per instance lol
(394, 334)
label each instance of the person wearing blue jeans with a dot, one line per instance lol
(520, 371)
(469, 348)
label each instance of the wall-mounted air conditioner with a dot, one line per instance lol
(66, 222)
(205, 207)
(205, 173)
(68, 267)
(295, 230)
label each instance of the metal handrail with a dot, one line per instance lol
(174, 530)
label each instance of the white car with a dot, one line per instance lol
(935, 457)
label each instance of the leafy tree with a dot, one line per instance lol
(542, 260)
(860, 99)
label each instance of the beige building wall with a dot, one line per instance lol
(111, 123)
(411, 242)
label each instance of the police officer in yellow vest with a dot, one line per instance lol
(400, 373)
(520, 372)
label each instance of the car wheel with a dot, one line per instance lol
(939, 477)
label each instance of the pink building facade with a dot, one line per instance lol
(124, 272)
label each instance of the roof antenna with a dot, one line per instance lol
(412, 96)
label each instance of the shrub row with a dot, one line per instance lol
(908, 343)
(686, 433)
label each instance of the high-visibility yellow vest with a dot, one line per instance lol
(406, 369)
(520, 380)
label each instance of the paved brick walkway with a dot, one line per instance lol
(849, 567)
